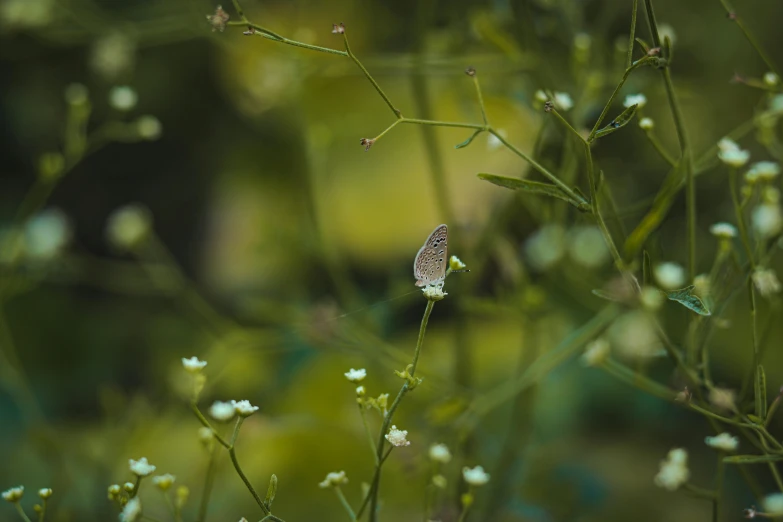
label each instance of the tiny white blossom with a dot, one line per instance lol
(47, 234)
(114, 490)
(541, 96)
(164, 482)
(727, 144)
(361, 391)
(723, 230)
(771, 79)
(640, 100)
(669, 275)
(356, 375)
(13, 494)
(128, 226)
(731, 154)
(766, 281)
(762, 171)
(123, 98)
(149, 127)
(244, 408)
(141, 468)
(456, 263)
(773, 504)
(128, 486)
(596, 352)
(475, 476)
(651, 298)
(767, 220)
(334, 478)
(723, 442)
(646, 123)
(45, 493)
(563, 101)
(398, 437)
(434, 292)
(440, 453)
(193, 365)
(674, 470)
(131, 511)
(222, 411)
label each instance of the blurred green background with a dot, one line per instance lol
(282, 251)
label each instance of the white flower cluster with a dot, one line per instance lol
(398, 437)
(141, 468)
(225, 411)
(131, 511)
(596, 352)
(674, 470)
(356, 375)
(13, 494)
(334, 478)
(723, 442)
(640, 100)
(731, 154)
(440, 453)
(434, 292)
(762, 171)
(193, 365)
(723, 230)
(475, 476)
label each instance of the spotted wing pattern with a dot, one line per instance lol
(429, 268)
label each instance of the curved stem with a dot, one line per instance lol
(205, 423)
(209, 481)
(344, 502)
(232, 453)
(367, 74)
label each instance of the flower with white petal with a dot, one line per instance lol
(193, 365)
(766, 281)
(131, 511)
(356, 375)
(640, 100)
(45, 493)
(669, 275)
(440, 453)
(731, 154)
(398, 437)
(475, 476)
(129, 486)
(434, 292)
(222, 411)
(334, 478)
(13, 494)
(361, 391)
(674, 470)
(47, 234)
(762, 171)
(541, 96)
(646, 123)
(456, 263)
(773, 504)
(164, 482)
(123, 98)
(771, 79)
(244, 408)
(596, 352)
(726, 144)
(723, 230)
(767, 220)
(724, 442)
(563, 101)
(723, 398)
(141, 468)
(667, 31)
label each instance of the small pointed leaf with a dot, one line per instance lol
(617, 123)
(686, 298)
(469, 140)
(535, 187)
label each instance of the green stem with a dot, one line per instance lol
(136, 485)
(375, 478)
(480, 100)
(235, 462)
(367, 74)
(209, 481)
(390, 127)
(445, 123)
(205, 423)
(390, 414)
(748, 35)
(696, 491)
(718, 488)
(42, 514)
(567, 125)
(270, 35)
(466, 506)
(596, 211)
(21, 512)
(170, 506)
(632, 35)
(659, 148)
(344, 502)
(627, 73)
(369, 434)
(740, 217)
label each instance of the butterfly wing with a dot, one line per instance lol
(429, 267)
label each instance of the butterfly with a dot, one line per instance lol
(429, 267)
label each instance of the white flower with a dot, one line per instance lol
(640, 100)
(47, 234)
(541, 96)
(149, 127)
(669, 275)
(13, 494)
(767, 220)
(244, 408)
(334, 478)
(674, 470)
(773, 504)
(586, 246)
(596, 352)
(651, 298)
(727, 144)
(434, 292)
(131, 511)
(141, 468)
(222, 411)
(762, 171)
(123, 98)
(771, 79)
(128, 226)
(633, 335)
(398, 437)
(563, 101)
(646, 123)
(356, 375)
(440, 453)
(476, 476)
(129, 486)
(193, 365)
(164, 482)
(723, 230)
(766, 281)
(456, 263)
(723, 442)
(114, 490)
(45, 493)
(702, 285)
(361, 391)
(730, 153)
(723, 398)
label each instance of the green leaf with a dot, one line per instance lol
(644, 45)
(469, 140)
(534, 187)
(687, 299)
(760, 390)
(619, 122)
(752, 459)
(271, 492)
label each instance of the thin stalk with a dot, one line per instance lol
(749, 35)
(344, 502)
(21, 512)
(480, 99)
(596, 210)
(375, 478)
(206, 424)
(627, 73)
(696, 491)
(170, 507)
(466, 506)
(716, 503)
(740, 217)
(367, 74)
(209, 481)
(42, 514)
(567, 125)
(271, 35)
(136, 485)
(445, 123)
(659, 148)
(390, 127)
(369, 434)
(233, 455)
(632, 35)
